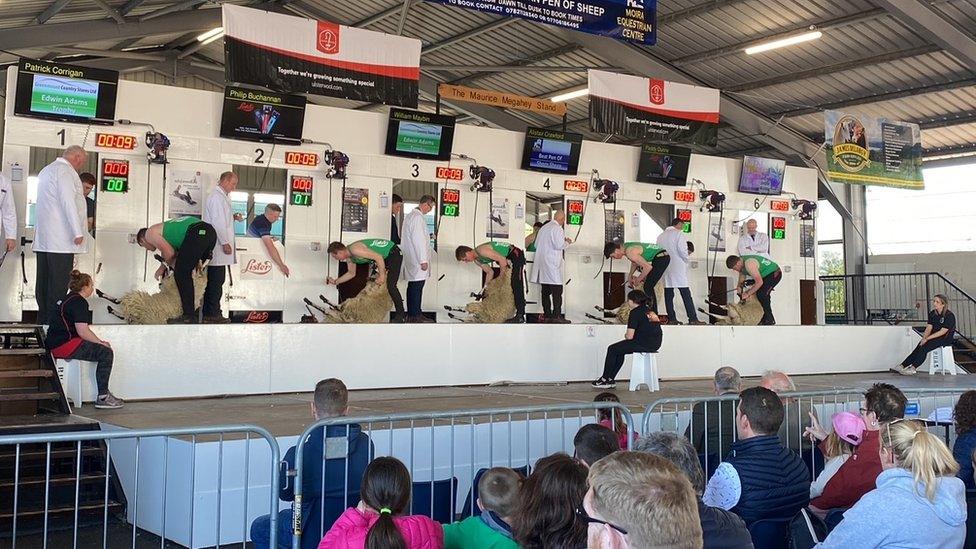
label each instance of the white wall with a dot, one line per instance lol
(956, 266)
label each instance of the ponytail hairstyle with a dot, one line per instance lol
(613, 415)
(386, 489)
(638, 297)
(79, 280)
(944, 300)
(919, 451)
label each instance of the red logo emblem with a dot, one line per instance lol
(656, 92)
(257, 317)
(328, 38)
(257, 267)
(246, 107)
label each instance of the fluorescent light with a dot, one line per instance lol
(569, 95)
(783, 42)
(210, 35)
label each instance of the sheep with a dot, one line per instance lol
(497, 303)
(744, 313)
(139, 307)
(371, 306)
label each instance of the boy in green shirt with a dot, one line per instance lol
(498, 495)
(506, 256)
(387, 257)
(765, 274)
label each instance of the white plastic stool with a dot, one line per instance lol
(72, 374)
(644, 372)
(942, 361)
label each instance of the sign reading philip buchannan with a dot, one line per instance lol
(500, 99)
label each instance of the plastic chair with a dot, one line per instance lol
(771, 533)
(942, 361)
(471, 508)
(435, 502)
(72, 374)
(644, 372)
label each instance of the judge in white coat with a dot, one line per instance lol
(673, 240)
(753, 242)
(218, 212)
(416, 257)
(547, 268)
(8, 217)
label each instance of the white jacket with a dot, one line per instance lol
(62, 214)
(754, 246)
(415, 245)
(217, 212)
(675, 243)
(547, 267)
(8, 211)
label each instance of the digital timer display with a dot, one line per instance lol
(779, 205)
(779, 228)
(450, 202)
(301, 190)
(299, 158)
(684, 196)
(451, 174)
(685, 217)
(115, 141)
(115, 176)
(575, 186)
(575, 210)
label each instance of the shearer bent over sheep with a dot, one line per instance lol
(508, 257)
(387, 257)
(184, 243)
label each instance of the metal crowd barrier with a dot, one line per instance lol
(193, 481)
(444, 452)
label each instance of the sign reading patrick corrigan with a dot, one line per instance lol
(298, 55)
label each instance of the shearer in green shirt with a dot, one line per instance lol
(765, 274)
(384, 253)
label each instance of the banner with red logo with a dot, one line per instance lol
(256, 267)
(298, 55)
(653, 110)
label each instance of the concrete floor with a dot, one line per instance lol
(289, 414)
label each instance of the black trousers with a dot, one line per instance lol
(516, 258)
(769, 282)
(103, 357)
(658, 265)
(216, 274)
(552, 300)
(415, 296)
(686, 298)
(617, 352)
(51, 281)
(197, 246)
(394, 262)
(921, 351)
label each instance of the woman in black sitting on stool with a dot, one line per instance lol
(643, 336)
(938, 333)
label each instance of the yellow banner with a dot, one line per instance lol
(499, 99)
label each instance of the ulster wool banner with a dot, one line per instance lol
(298, 55)
(653, 110)
(873, 151)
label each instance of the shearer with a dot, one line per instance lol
(506, 256)
(764, 273)
(652, 260)
(387, 257)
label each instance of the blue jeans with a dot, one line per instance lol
(686, 298)
(415, 294)
(261, 531)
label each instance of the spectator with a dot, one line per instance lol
(640, 500)
(717, 419)
(345, 450)
(546, 516)
(965, 417)
(797, 412)
(762, 479)
(87, 186)
(376, 523)
(882, 402)
(721, 529)
(613, 419)
(918, 503)
(837, 447)
(498, 496)
(594, 442)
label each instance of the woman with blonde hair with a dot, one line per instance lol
(938, 333)
(918, 503)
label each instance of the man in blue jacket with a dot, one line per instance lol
(345, 449)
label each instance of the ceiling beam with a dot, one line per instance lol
(879, 97)
(53, 9)
(404, 12)
(180, 6)
(110, 11)
(130, 5)
(514, 68)
(477, 31)
(927, 23)
(112, 54)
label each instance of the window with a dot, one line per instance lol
(430, 218)
(244, 203)
(830, 240)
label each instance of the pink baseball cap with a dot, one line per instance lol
(849, 427)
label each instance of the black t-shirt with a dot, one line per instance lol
(946, 320)
(646, 332)
(68, 310)
(90, 204)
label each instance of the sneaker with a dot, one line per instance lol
(697, 323)
(908, 371)
(184, 319)
(560, 320)
(109, 402)
(218, 319)
(517, 319)
(426, 320)
(603, 383)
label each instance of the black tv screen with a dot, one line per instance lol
(69, 93)
(416, 134)
(762, 175)
(551, 151)
(255, 115)
(663, 164)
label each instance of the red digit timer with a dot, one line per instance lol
(575, 206)
(115, 167)
(451, 196)
(779, 222)
(684, 215)
(301, 184)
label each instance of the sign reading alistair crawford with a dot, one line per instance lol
(298, 55)
(631, 20)
(873, 151)
(653, 110)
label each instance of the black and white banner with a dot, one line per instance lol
(653, 110)
(298, 55)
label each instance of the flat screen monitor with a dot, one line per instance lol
(255, 115)
(551, 151)
(415, 134)
(68, 93)
(663, 164)
(762, 175)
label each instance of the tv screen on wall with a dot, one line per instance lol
(762, 175)
(256, 115)
(68, 93)
(415, 134)
(663, 164)
(551, 151)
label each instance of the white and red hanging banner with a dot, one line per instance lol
(653, 110)
(298, 55)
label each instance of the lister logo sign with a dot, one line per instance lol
(328, 38)
(256, 268)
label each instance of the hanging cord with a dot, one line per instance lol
(145, 263)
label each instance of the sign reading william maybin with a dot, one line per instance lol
(873, 151)
(631, 20)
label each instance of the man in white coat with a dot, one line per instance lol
(547, 268)
(8, 217)
(753, 242)
(673, 240)
(217, 211)
(416, 257)
(61, 230)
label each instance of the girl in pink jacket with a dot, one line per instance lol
(376, 522)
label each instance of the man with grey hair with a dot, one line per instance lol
(720, 528)
(753, 242)
(797, 411)
(417, 256)
(61, 227)
(712, 427)
(219, 214)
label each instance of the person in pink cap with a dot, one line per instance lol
(837, 446)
